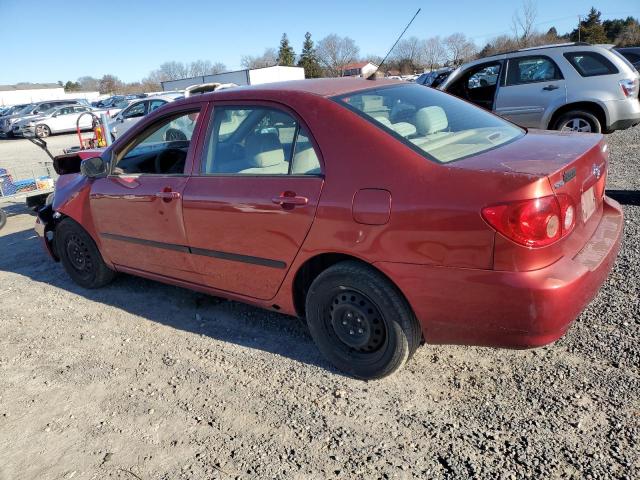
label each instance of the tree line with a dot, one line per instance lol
(330, 56)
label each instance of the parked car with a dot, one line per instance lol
(434, 78)
(569, 87)
(136, 110)
(632, 54)
(31, 109)
(384, 212)
(55, 120)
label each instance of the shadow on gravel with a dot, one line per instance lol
(227, 321)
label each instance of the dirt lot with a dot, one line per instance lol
(146, 381)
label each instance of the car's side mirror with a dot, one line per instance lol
(55, 115)
(94, 167)
(121, 119)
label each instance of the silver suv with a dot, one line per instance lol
(569, 87)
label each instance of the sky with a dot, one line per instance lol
(45, 41)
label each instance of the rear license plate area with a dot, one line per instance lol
(588, 202)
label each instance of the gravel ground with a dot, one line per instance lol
(145, 381)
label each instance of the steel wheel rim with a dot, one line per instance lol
(79, 255)
(355, 323)
(576, 125)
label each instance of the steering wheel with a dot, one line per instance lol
(167, 160)
(174, 135)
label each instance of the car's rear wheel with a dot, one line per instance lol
(80, 256)
(42, 131)
(360, 321)
(578, 121)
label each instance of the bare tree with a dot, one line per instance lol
(109, 84)
(433, 52)
(408, 54)
(335, 52)
(458, 48)
(217, 67)
(523, 22)
(89, 84)
(268, 59)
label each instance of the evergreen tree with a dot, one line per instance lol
(308, 59)
(591, 29)
(286, 55)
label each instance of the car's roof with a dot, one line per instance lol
(324, 87)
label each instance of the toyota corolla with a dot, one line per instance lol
(385, 214)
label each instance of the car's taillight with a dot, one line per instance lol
(537, 222)
(629, 87)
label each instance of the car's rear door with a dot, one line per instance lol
(252, 199)
(137, 208)
(533, 85)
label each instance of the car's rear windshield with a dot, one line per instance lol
(436, 125)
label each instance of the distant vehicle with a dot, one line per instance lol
(434, 78)
(31, 109)
(56, 120)
(632, 54)
(481, 233)
(569, 87)
(129, 116)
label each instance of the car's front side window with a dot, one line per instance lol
(160, 149)
(436, 125)
(258, 141)
(134, 111)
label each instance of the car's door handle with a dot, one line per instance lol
(290, 199)
(168, 195)
(551, 87)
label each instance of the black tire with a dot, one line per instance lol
(42, 131)
(360, 321)
(3, 219)
(573, 120)
(80, 256)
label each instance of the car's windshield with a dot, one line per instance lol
(439, 126)
(25, 110)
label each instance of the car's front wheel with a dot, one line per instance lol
(80, 256)
(578, 121)
(42, 131)
(3, 219)
(360, 321)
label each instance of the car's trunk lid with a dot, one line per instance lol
(573, 163)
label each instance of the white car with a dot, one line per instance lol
(128, 117)
(55, 120)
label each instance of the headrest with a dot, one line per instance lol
(431, 120)
(264, 150)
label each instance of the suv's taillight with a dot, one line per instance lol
(629, 87)
(533, 223)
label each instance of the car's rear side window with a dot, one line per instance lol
(258, 140)
(522, 70)
(436, 125)
(590, 64)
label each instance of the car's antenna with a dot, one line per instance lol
(373, 75)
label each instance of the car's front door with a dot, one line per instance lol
(137, 208)
(61, 119)
(533, 85)
(248, 209)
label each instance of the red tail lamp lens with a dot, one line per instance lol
(533, 223)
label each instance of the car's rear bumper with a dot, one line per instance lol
(509, 309)
(623, 113)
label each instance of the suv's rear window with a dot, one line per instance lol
(590, 64)
(436, 125)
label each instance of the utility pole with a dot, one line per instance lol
(579, 22)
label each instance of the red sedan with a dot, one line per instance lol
(386, 214)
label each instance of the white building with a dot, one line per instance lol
(35, 92)
(254, 76)
(360, 69)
